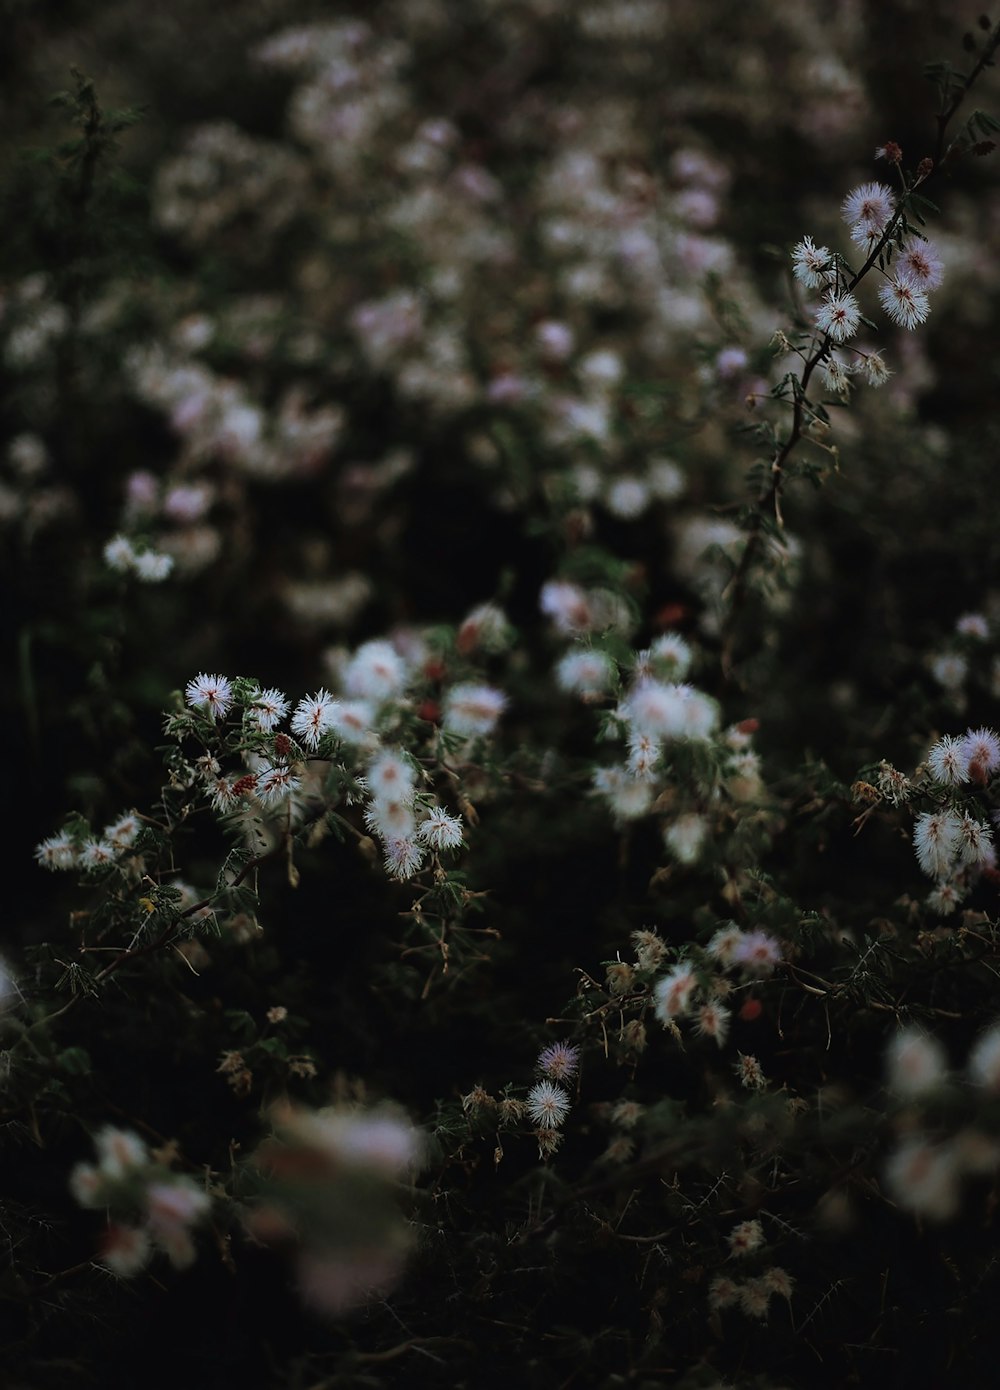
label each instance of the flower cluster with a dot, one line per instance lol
(325, 1194)
(877, 225)
(148, 1206)
(925, 1170)
(953, 841)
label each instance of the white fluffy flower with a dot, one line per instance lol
(673, 993)
(812, 265)
(375, 672)
(97, 854)
(757, 953)
(685, 836)
(57, 852)
(984, 1060)
(872, 367)
(585, 673)
(119, 554)
(627, 498)
(921, 264)
(936, 841)
(473, 709)
(839, 316)
(670, 711)
(275, 783)
(440, 830)
(836, 374)
(390, 819)
(311, 719)
(352, 721)
(670, 656)
(975, 841)
(629, 797)
(566, 604)
(916, 1063)
(390, 776)
(904, 301)
(869, 207)
(152, 566)
(548, 1104)
(267, 708)
(923, 1178)
(212, 694)
(403, 857)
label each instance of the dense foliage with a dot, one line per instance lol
(502, 658)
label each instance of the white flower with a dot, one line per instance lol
(670, 711)
(950, 670)
(975, 842)
(629, 797)
(403, 857)
(905, 303)
(627, 498)
(920, 263)
(935, 839)
(643, 755)
(673, 993)
(123, 832)
(757, 953)
(57, 852)
(981, 749)
(125, 1249)
(555, 340)
(390, 776)
(119, 1151)
(375, 672)
(713, 1022)
(585, 673)
(213, 694)
(923, 1178)
(352, 721)
(440, 830)
(670, 656)
(839, 316)
(724, 943)
(869, 207)
(945, 898)
(97, 854)
(119, 554)
(836, 374)
(275, 783)
(548, 1104)
(812, 265)
(566, 604)
(872, 367)
(390, 819)
(745, 1238)
(151, 566)
(984, 1060)
(473, 709)
(973, 625)
(916, 1063)
(685, 837)
(311, 719)
(267, 708)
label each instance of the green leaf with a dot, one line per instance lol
(75, 1060)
